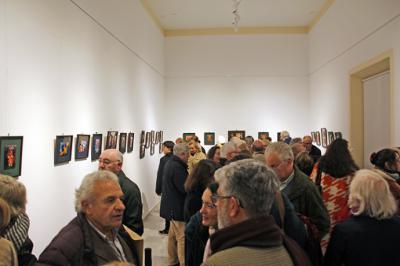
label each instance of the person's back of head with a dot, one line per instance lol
(202, 174)
(370, 195)
(227, 149)
(304, 162)
(251, 183)
(14, 193)
(386, 159)
(169, 145)
(4, 215)
(258, 146)
(295, 140)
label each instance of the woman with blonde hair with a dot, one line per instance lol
(14, 193)
(371, 235)
(8, 255)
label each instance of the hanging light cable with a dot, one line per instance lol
(236, 16)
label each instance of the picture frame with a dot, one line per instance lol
(11, 155)
(148, 139)
(82, 146)
(318, 140)
(142, 151)
(313, 136)
(338, 135)
(62, 149)
(122, 142)
(153, 136)
(236, 133)
(160, 147)
(188, 136)
(131, 139)
(209, 138)
(142, 137)
(331, 137)
(152, 148)
(278, 136)
(111, 142)
(97, 144)
(161, 136)
(263, 135)
(324, 136)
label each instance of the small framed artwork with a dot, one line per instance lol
(142, 151)
(160, 148)
(111, 142)
(263, 136)
(152, 148)
(122, 142)
(82, 146)
(209, 138)
(153, 136)
(318, 136)
(11, 155)
(148, 139)
(97, 141)
(62, 149)
(331, 137)
(142, 137)
(131, 138)
(324, 135)
(161, 136)
(188, 136)
(338, 135)
(236, 133)
(278, 136)
(313, 136)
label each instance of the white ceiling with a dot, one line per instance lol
(201, 14)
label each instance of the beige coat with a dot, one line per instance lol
(195, 159)
(8, 256)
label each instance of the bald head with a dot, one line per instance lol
(111, 160)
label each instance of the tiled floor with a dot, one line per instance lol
(154, 240)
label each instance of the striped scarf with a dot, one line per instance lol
(17, 230)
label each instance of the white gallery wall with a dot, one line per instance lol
(70, 67)
(244, 82)
(350, 34)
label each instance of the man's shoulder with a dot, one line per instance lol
(127, 183)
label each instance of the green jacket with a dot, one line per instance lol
(307, 200)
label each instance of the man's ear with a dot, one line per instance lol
(86, 206)
(234, 207)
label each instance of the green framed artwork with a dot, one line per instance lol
(188, 136)
(11, 155)
(209, 138)
(263, 135)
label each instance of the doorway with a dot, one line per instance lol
(371, 107)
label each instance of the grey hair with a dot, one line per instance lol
(85, 191)
(227, 147)
(14, 193)
(284, 134)
(181, 148)
(281, 148)
(119, 156)
(252, 183)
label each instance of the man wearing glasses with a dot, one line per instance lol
(247, 233)
(112, 160)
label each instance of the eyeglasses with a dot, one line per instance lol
(208, 204)
(216, 197)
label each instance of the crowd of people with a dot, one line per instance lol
(245, 202)
(257, 202)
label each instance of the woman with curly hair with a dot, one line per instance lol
(333, 174)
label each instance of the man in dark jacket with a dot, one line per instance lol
(168, 146)
(313, 150)
(303, 194)
(172, 202)
(112, 160)
(96, 235)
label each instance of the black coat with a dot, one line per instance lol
(160, 172)
(79, 244)
(133, 204)
(315, 153)
(364, 241)
(196, 236)
(173, 190)
(193, 202)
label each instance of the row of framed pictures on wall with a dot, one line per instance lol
(85, 143)
(325, 137)
(209, 137)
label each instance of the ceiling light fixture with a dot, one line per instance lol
(236, 16)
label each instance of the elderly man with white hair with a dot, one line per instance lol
(95, 236)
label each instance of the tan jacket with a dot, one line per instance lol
(8, 256)
(195, 159)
